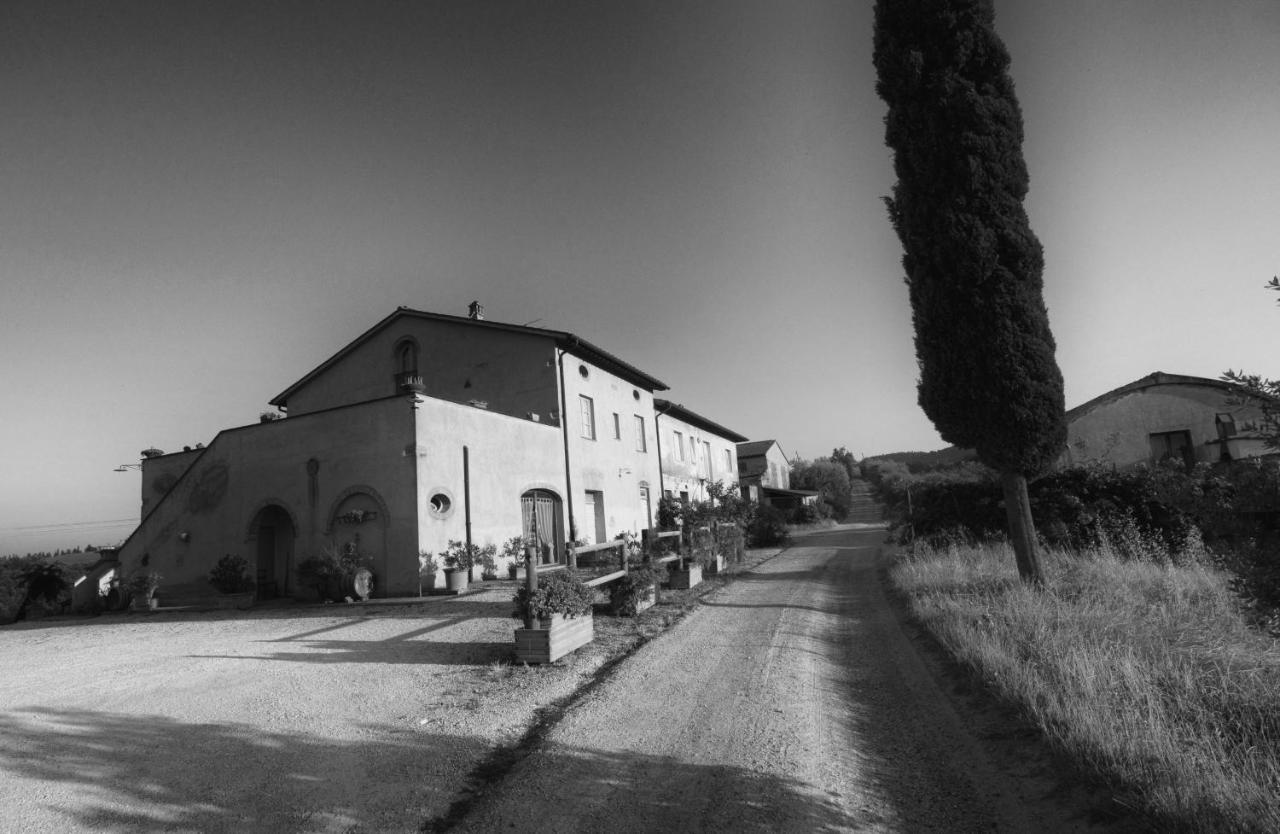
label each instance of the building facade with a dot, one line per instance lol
(1164, 416)
(425, 429)
(695, 452)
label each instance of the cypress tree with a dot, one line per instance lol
(988, 377)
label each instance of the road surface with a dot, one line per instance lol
(790, 701)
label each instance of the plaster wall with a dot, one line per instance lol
(610, 466)
(161, 473)
(1118, 432)
(507, 457)
(514, 373)
(692, 473)
(362, 460)
(770, 469)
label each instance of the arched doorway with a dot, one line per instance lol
(273, 534)
(543, 517)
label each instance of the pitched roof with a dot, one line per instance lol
(679, 412)
(754, 448)
(566, 341)
(1152, 380)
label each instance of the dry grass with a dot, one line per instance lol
(1144, 672)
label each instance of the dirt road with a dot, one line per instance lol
(790, 701)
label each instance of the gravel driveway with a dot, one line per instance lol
(318, 719)
(791, 701)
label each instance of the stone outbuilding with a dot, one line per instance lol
(1164, 416)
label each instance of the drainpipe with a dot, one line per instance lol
(466, 501)
(564, 427)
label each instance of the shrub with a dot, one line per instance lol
(331, 570)
(231, 575)
(460, 556)
(13, 593)
(627, 593)
(559, 592)
(427, 564)
(768, 528)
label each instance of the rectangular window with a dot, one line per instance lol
(678, 442)
(728, 460)
(706, 459)
(693, 450)
(641, 443)
(588, 417)
(1173, 445)
(617, 427)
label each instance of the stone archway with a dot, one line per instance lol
(358, 519)
(273, 533)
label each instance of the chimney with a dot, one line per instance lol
(475, 311)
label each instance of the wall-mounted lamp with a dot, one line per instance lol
(125, 467)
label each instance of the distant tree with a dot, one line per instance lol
(845, 458)
(1261, 393)
(988, 377)
(827, 477)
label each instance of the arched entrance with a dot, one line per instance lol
(273, 534)
(543, 516)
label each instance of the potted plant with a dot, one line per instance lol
(686, 572)
(230, 577)
(428, 567)
(634, 592)
(487, 557)
(337, 573)
(458, 559)
(513, 553)
(143, 587)
(557, 617)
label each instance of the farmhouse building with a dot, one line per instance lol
(694, 452)
(424, 429)
(1164, 416)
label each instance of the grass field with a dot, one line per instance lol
(1142, 671)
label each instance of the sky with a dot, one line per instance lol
(201, 201)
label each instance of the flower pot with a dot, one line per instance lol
(648, 600)
(690, 577)
(455, 580)
(141, 603)
(716, 565)
(554, 638)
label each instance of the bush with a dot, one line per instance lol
(558, 592)
(768, 528)
(231, 575)
(625, 594)
(331, 571)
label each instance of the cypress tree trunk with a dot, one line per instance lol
(1022, 530)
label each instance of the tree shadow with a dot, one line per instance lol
(629, 792)
(75, 769)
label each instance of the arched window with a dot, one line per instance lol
(406, 364)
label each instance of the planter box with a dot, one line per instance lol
(240, 601)
(691, 577)
(549, 644)
(716, 566)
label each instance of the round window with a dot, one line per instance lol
(582, 371)
(441, 503)
(635, 394)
